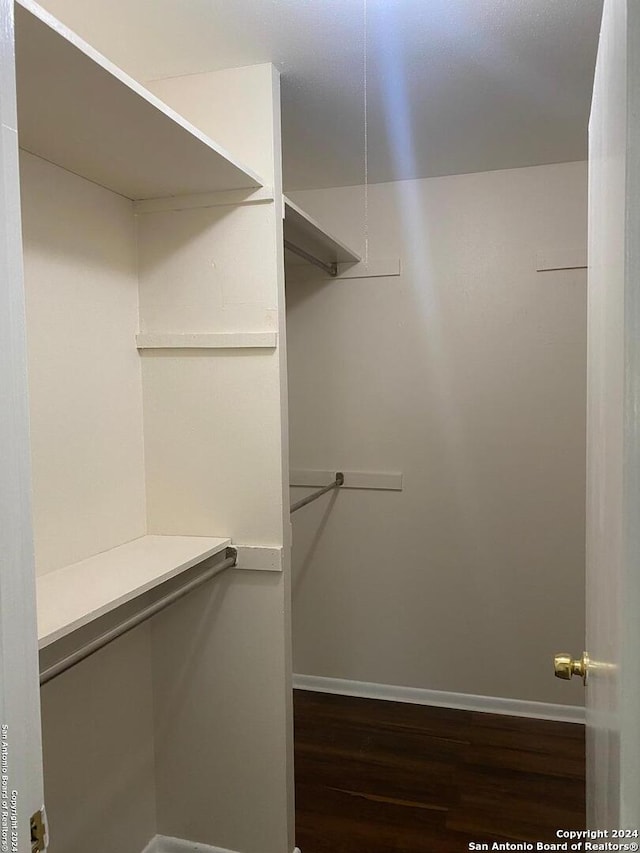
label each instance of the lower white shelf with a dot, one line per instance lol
(77, 594)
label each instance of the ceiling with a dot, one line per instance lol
(453, 86)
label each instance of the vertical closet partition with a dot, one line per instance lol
(154, 280)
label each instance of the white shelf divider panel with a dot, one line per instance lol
(216, 340)
(77, 594)
(79, 111)
(303, 231)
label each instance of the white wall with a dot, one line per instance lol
(85, 379)
(98, 751)
(467, 374)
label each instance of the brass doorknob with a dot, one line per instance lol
(566, 667)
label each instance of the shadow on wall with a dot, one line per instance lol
(304, 562)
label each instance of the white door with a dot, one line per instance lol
(20, 748)
(613, 427)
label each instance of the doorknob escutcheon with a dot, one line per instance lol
(566, 667)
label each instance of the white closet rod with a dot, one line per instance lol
(124, 627)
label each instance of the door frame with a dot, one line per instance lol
(21, 792)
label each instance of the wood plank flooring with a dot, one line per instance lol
(388, 777)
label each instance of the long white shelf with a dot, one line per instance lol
(307, 234)
(80, 111)
(77, 594)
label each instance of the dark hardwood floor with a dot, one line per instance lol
(387, 777)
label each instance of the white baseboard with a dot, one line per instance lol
(164, 844)
(441, 699)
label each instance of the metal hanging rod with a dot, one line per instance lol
(330, 268)
(129, 624)
(339, 481)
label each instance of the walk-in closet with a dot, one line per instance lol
(318, 453)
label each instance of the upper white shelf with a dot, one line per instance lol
(77, 594)
(78, 110)
(303, 231)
